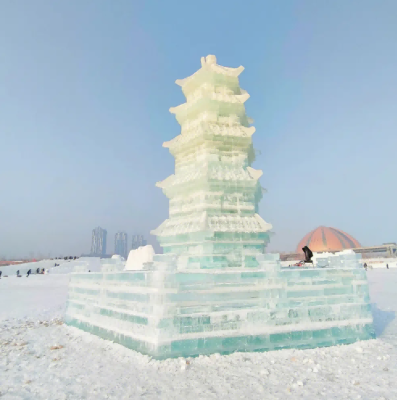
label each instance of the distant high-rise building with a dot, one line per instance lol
(137, 241)
(98, 244)
(121, 244)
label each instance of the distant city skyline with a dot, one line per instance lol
(99, 241)
(138, 241)
(121, 244)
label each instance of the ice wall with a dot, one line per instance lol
(114, 264)
(169, 313)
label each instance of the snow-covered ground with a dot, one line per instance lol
(11, 270)
(40, 358)
(63, 266)
(371, 262)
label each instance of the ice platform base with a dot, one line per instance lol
(188, 313)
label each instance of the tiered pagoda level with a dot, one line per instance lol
(214, 290)
(214, 193)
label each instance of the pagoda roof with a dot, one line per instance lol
(209, 63)
(222, 223)
(181, 225)
(210, 128)
(219, 173)
(221, 97)
(211, 206)
(237, 223)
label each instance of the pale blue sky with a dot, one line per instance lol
(85, 88)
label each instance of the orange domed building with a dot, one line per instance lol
(327, 239)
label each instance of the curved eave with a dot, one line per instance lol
(255, 173)
(221, 223)
(193, 113)
(167, 182)
(184, 81)
(265, 225)
(205, 132)
(234, 72)
(172, 189)
(239, 99)
(218, 69)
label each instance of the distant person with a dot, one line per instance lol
(365, 266)
(387, 266)
(42, 271)
(18, 273)
(308, 254)
(37, 270)
(29, 272)
(1, 273)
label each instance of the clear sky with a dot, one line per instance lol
(85, 88)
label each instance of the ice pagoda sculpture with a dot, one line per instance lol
(214, 289)
(214, 193)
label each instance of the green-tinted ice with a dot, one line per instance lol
(214, 193)
(214, 289)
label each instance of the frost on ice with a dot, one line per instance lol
(138, 259)
(214, 289)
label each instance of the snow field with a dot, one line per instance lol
(40, 358)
